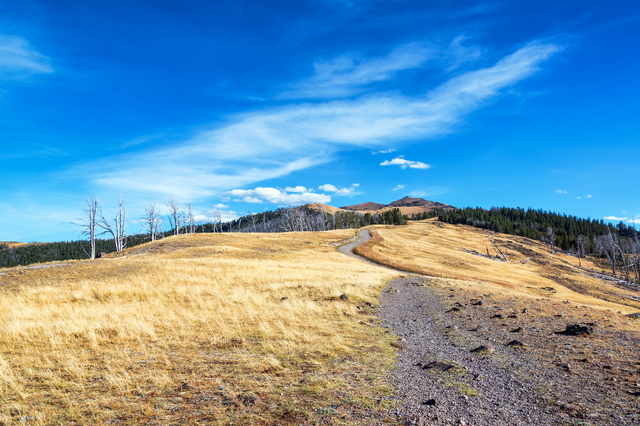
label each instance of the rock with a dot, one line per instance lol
(565, 366)
(431, 402)
(525, 310)
(513, 316)
(100, 255)
(368, 304)
(592, 324)
(478, 303)
(248, 400)
(479, 328)
(454, 309)
(284, 298)
(483, 349)
(515, 343)
(498, 316)
(344, 297)
(438, 366)
(577, 330)
(635, 315)
(28, 418)
(517, 330)
(184, 387)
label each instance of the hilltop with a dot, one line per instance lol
(407, 206)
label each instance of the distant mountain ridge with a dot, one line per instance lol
(407, 206)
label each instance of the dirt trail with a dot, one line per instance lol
(473, 391)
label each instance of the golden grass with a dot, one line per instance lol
(436, 249)
(186, 329)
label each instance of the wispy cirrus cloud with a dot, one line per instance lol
(384, 151)
(276, 141)
(398, 187)
(19, 60)
(347, 74)
(400, 161)
(560, 191)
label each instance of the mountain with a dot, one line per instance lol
(364, 207)
(407, 205)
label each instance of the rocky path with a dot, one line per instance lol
(439, 382)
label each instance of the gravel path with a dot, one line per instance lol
(472, 392)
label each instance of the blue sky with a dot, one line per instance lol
(256, 105)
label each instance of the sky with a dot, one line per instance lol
(241, 106)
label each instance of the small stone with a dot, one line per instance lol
(478, 303)
(184, 387)
(515, 343)
(483, 349)
(454, 309)
(577, 330)
(344, 297)
(498, 316)
(431, 402)
(248, 400)
(513, 316)
(525, 310)
(284, 298)
(517, 330)
(436, 366)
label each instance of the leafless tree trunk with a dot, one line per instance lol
(89, 223)
(581, 248)
(152, 222)
(191, 220)
(119, 232)
(176, 216)
(550, 239)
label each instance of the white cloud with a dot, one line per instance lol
(387, 151)
(588, 196)
(635, 221)
(560, 191)
(19, 60)
(398, 187)
(298, 189)
(261, 195)
(221, 206)
(615, 218)
(275, 142)
(347, 74)
(399, 161)
(578, 198)
(338, 191)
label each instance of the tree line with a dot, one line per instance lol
(94, 224)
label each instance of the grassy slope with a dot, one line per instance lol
(436, 249)
(591, 379)
(187, 328)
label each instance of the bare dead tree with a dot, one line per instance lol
(191, 220)
(152, 222)
(581, 245)
(176, 216)
(89, 224)
(606, 245)
(118, 232)
(550, 239)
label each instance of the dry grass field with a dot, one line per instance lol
(196, 329)
(437, 249)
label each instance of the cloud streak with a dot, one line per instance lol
(19, 60)
(278, 141)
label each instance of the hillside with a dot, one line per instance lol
(407, 206)
(174, 332)
(364, 206)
